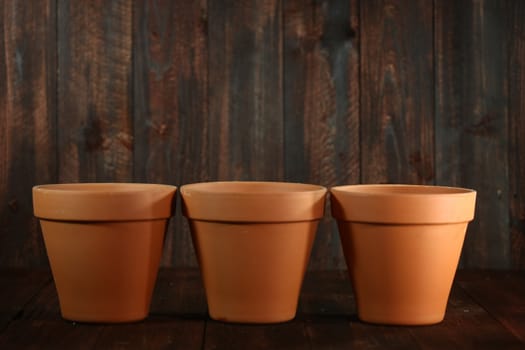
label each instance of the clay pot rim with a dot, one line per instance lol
(100, 188)
(118, 201)
(397, 190)
(253, 201)
(236, 187)
(402, 204)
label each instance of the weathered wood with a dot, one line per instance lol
(173, 334)
(44, 306)
(45, 334)
(18, 288)
(321, 110)
(471, 120)
(502, 295)
(95, 125)
(328, 306)
(485, 311)
(467, 325)
(326, 294)
(396, 92)
(27, 124)
(235, 336)
(179, 293)
(245, 90)
(171, 104)
(327, 92)
(516, 75)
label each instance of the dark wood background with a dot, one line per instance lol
(327, 92)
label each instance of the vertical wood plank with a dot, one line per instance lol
(397, 144)
(27, 124)
(95, 125)
(321, 96)
(171, 105)
(516, 74)
(471, 120)
(245, 90)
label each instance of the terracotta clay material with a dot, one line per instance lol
(253, 242)
(402, 245)
(104, 243)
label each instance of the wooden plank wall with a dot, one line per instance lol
(320, 91)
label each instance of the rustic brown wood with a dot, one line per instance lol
(471, 120)
(467, 325)
(328, 306)
(326, 295)
(245, 90)
(45, 334)
(179, 293)
(485, 311)
(321, 109)
(27, 124)
(516, 76)
(327, 92)
(44, 306)
(177, 334)
(339, 335)
(396, 92)
(502, 295)
(232, 336)
(171, 104)
(18, 288)
(95, 125)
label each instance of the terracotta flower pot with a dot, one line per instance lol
(402, 245)
(253, 242)
(104, 243)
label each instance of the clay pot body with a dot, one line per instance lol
(104, 243)
(402, 245)
(253, 242)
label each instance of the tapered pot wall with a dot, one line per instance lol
(253, 241)
(104, 269)
(402, 245)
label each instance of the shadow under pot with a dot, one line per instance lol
(253, 242)
(402, 245)
(104, 243)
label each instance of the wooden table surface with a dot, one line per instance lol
(486, 311)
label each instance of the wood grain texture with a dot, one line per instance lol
(320, 91)
(471, 120)
(321, 109)
(489, 291)
(42, 334)
(171, 105)
(179, 292)
(485, 311)
(287, 336)
(95, 124)
(27, 124)
(18, 288)
(245, 90)
(467, 325)
(396, 92)
(516, 74)
(172, 334)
